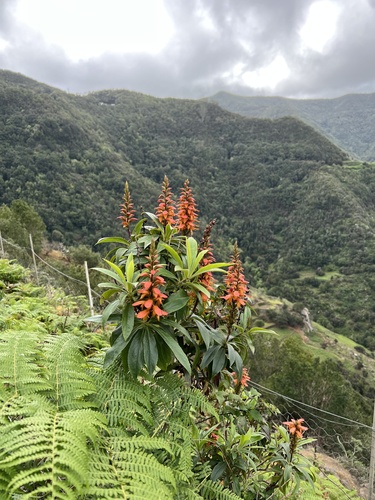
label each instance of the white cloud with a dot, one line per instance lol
(320, 26)
(3, 44)
(267, 76)
(89, 28)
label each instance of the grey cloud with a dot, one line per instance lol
(195, 61)
(349, 64)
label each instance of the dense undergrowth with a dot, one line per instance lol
(72, 430)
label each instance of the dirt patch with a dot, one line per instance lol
(329, 465)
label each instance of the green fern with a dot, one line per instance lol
(124, 400)
(71, 383)
(215, 491)
(50, 451)
(20, 357)
(123, 469)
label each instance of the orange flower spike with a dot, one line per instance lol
(127, 211)
(295, 427)
(187, 211)
(236, 285)
(165, 210)
(151, 297)
(244, 379)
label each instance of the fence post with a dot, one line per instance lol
(89, 289)
(34, 260)
(372, 461)
(2, 246)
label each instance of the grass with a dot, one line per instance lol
(337, 347)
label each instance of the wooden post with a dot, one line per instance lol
(2, 246)
(89, 289)
(372, 461)
(34, 260)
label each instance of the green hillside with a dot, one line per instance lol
(349, 121)
(287, 194)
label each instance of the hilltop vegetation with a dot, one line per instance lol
(349, 121)
(289, 196)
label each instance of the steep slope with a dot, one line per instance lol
(69, 155)
(349, 120)
(277, 185)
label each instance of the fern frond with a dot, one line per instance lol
(215, 491)
(181, 441)
(123, 469)
(197, 400)
(170, 391)
(49, 451)
(125, 401)
(187, 493)
(70, 382)
(17, 407)
(20, 357)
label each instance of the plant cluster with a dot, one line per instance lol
(174, 321)
(71, 430)
(170, 312)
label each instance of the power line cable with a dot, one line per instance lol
(309, 406)
(52, 267)
(66, 276)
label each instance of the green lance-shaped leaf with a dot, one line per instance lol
(117, 270)
(218, 471)
(150, 351)
(113, 239)
(114, 351)
(176, 257)
(111, 308)
(218, 362)
(176, 301)
(204, 330)
(136, 358)
(213, 268)
(191, 254)
(108, 272)
(172, 343)
(138, 227)
(127, 320)
(235, 360)
(209, 355)
(129, 268)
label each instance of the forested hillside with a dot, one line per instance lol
(349, 120)
(287, 193)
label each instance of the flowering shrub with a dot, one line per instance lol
(171, 314)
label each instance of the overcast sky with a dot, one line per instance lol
(193, 48)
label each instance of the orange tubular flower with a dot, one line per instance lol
(151, 297)
(127, 209)
(244, 379)
(236, 285)
(187, 211)
(166, 209)
(296, 428)
(207, 279)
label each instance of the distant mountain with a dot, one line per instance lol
(349, 121)
(286, 192)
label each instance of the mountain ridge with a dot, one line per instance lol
(347, 120)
